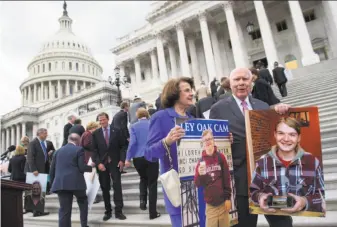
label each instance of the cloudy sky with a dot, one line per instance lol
(24, 26)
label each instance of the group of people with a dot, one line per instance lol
(141, 135)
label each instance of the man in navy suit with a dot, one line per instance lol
(233, 109)
(66, 177)
(109, 151)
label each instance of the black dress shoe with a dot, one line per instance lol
(120, 216)
(38, 214)
(157, 215)
(107, 217)
(142, 205)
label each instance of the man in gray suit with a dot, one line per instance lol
(38, 153)
(232, 109)
(137, 103)
(66, 177)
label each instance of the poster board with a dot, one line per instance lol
(189, 154)
(284, 156)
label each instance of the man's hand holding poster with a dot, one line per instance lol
(285, 163)
(206, 173)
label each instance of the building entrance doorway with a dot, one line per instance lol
(263, 60)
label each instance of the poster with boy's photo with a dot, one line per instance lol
(285, 163)
(206, 174)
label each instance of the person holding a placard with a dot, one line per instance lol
(176, 97)
(38, 159)
(212, 173)
(288, 173)
(233, 109)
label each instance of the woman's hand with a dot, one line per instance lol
(175, 134)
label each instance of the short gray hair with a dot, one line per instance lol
(74, 137)
(234, 71)
(40, 130)
(71, 117)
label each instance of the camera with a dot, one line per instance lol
(279, 202)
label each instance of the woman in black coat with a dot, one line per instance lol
(262, 89)
(17, 165)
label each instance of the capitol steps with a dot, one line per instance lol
(312, 86)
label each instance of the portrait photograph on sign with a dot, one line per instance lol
(285, 163)
(205, 170)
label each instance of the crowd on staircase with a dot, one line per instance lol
(139, 134)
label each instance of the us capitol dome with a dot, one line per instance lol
(64, 65)
(64, 79)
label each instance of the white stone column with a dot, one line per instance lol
(76, 86)
(267, 35)
(18, 134)
(42, 91)
(194, 59)
(67, 88)
(161, 58)
(59, 89)
(30, 95)
(35, 128)
(206, 40)
(309, 57)
(122, 71)
(173, 60)
(185, 68)
(8, 137)
(138, 71)
(23, 128)
(330, 20)
(35, 93)
(22, 97)
(240, 56)
(216, 51)
(3, 141)
(13, 135)
(51, 90)
(154, 64)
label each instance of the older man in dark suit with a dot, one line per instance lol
(233, 110)
(280, 79)
(109, 152)
(38, 159)
(67, 127)
(66, 177)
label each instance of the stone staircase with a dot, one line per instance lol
(313, 85)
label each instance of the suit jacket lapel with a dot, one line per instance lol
(252, 102)
(111, 134)
(235, 109)
(102, 136)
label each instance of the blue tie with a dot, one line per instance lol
(44, 151)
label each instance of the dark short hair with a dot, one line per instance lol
(223, 79)
(78, 122)
(254, 71)
(103, 114)
(171, 91)
(124, 104)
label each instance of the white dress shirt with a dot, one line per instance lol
(239, 101)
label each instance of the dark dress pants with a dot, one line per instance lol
(105, 182)
(250, 220)
(148, 173)
(283, 89)
(66, 204)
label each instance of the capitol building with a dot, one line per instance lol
(64, 78)
(207, 39)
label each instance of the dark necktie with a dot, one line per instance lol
(106, 136)
(44, 151)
